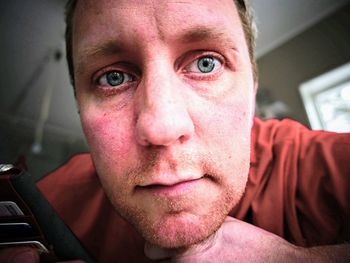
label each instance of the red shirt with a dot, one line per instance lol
(298, 188)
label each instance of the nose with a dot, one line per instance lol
(163, 118)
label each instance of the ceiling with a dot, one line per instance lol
(280, 20)
(33, 30)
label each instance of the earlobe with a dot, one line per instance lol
(255, 88)
(77, 106)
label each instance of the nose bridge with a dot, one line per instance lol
(161, 92)
(156, 77)
(163, 116)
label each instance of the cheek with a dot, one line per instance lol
(229, 113)
(108, 135)
(228, 120)
(225, 131)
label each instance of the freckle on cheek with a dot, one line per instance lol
(95, 127)
(104, 135)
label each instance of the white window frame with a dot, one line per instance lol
(309, 89)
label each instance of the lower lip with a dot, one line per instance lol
(172, 190)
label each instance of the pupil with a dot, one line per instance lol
(206, 64)
(115, 78)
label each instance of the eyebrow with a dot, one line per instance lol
(104, 48)
(201, 33)
(112, 46)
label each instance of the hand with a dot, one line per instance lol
(23, 255)
(19, 254)
(235, 241)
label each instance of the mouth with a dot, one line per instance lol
(172, 189)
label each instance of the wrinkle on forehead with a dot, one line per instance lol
(162, 7)
(161, 16)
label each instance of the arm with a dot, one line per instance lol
(241, 242)
(332, 253)
(24, 254)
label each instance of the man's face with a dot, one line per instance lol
(165, 92)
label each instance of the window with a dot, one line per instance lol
(327, 100)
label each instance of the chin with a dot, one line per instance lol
(179, 230)
(179, 225)
(173, 228)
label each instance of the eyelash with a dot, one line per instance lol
(201, 75)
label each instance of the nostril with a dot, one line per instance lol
(184, 138)
(143, 141)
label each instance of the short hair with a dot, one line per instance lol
(244, 9)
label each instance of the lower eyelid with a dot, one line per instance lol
(205, 76)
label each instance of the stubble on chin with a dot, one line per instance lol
(176, 229)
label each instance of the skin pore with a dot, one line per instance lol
(166, 95)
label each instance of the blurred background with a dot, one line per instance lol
(303, 54)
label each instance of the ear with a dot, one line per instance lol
(255, 87)
(255, 90)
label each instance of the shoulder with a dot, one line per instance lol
(71, 186)
(79, 167)
(306, 174)
(290, 151)
(274, 136)
(287, 129)
(76, 194)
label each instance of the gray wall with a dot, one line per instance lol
(317, 50)
(31, 31)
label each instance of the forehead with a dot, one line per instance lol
(151, 19)
(168, 9)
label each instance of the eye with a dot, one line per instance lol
(204, 64)
(113, 78)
